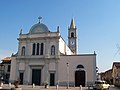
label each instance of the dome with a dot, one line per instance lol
(38, 28)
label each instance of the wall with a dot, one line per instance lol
(13, 69)
(48, 39)
(88, 61)
(63, 48)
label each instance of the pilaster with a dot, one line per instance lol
(26, 77)
(17, 70)
(47, 48)
(56, 75)
(46, 72)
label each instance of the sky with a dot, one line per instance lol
(97, 22)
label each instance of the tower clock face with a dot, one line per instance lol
(72, 42)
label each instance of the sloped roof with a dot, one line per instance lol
(6, 60)
(110, 70)
(116, 64)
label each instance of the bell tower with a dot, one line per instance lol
(72, 37)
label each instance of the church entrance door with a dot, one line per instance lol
(52, 79)
(36, 76)
(80, 78)
(21, 78)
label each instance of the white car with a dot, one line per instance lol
(101, 85)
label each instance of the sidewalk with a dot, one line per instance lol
(29, 87)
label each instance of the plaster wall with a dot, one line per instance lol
(89, 63)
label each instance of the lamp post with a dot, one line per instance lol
(97, 69)
(67, 75)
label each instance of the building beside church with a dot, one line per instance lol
(5, 69)
(44, 57)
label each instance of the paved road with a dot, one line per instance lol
(114, 88)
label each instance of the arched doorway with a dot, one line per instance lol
(80, 76)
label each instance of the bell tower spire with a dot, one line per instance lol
(72, 37)
(72, 25)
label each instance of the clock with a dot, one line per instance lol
(72, 43)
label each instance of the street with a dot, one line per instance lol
(114, 88)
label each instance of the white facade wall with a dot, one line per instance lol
(26, 66)
(13, 69)
(88, 61)
(63, 48)
(46, 62)
(48, 39)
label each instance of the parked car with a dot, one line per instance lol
(101, 85)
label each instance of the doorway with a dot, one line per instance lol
(80, 78)
(21, 78)
(36, 76)
(52, 79)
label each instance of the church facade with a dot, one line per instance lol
(44, 57)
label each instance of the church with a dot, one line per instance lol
(43, 57)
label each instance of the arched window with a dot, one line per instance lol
(80, 66)
(23, 51)
(33, 51)
(72, 34)
(52, 50)
(37, 53)
(42, 49)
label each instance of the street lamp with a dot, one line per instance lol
(67, 75)
(97, 69)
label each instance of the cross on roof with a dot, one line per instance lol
(39, 18)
